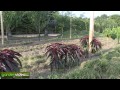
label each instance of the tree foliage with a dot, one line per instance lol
(112, 33)
(34, 22)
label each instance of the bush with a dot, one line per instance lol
(112, 33)
(96, 45)
(64, 56)
(9, 61)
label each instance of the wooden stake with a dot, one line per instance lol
(2, 29)
(70, 27)
(91, 31)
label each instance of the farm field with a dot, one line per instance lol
(50, 45)
(34, 60)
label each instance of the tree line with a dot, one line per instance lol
(34, 22)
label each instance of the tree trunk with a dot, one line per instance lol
(6, 33)
(46, 31)
(39, 31)
(9, 33)
(55, 30)
(118, 40)
(62, 33)
(70, 28)
(101, 29)
(2, 28)
(118, 37)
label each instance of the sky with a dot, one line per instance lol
(96, 13)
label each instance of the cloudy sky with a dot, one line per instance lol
(96, 13)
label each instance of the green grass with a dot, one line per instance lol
(107, 66)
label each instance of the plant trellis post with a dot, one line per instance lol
(91, 31)
(2, 29)
(70, 27)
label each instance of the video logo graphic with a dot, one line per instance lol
(14, 75)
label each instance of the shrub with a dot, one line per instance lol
(63, 56)
(112, 33)
(96, 45)
(9, 61)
